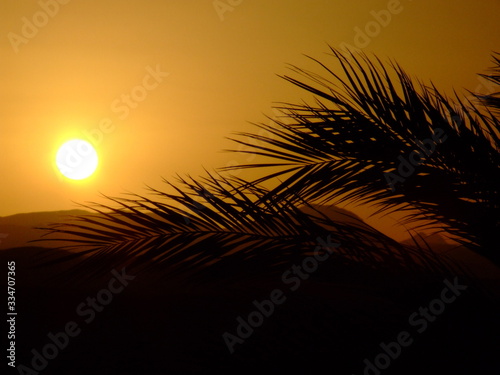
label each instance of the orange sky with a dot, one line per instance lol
(215, 73)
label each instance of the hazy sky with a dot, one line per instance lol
(198, 70)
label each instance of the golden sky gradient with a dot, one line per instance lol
(198, 74)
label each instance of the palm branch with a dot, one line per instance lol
(223, 227)
(492, 99)
(343, 147)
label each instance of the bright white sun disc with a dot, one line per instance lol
(77, 159)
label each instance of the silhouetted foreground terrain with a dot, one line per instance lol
(330, 323)
(17, 230)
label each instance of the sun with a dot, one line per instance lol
(77, 159)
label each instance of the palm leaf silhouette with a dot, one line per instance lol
(492, 100)
(223, 227)
(342, 147)
(224, 230)
(338, 151)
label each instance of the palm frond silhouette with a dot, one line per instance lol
(230, 239)
(223, 227)
(492, 100)
(336, 151)
(349, 144)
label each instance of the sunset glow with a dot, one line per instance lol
(232, 187)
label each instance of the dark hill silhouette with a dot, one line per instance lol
(17, 230)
